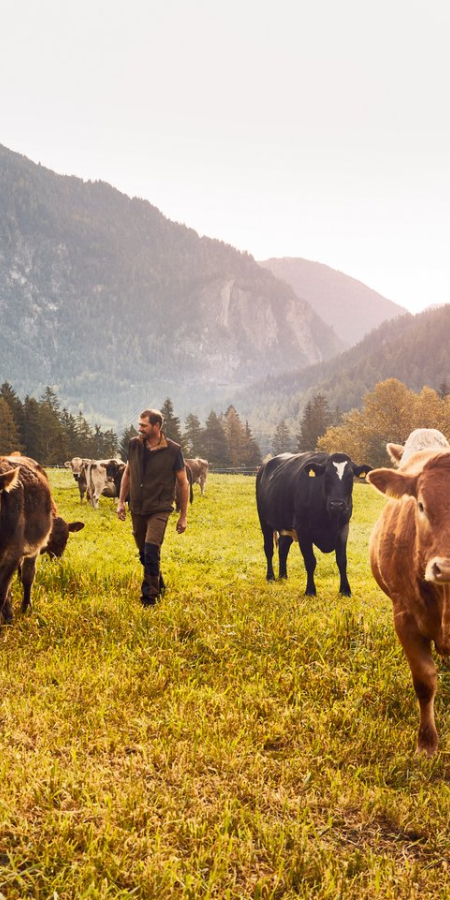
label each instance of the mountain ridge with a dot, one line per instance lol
(350, 306)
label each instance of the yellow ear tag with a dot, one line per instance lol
(312, 473)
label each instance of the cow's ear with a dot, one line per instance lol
(313, 469)
(67, 464)
(395, 451)
(8, 481)
(392, 483)
(361, 471)
(75, 526)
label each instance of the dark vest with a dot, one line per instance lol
(152, 489)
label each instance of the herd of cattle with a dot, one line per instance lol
(304, 497)
(104, 476)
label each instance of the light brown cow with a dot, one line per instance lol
(77, 466)
(199, 468)
(410, 559)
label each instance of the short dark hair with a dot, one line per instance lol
(154, 416)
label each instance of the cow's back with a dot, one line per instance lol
(26, 511)
(277, 487)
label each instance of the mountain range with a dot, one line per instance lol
(116, 307)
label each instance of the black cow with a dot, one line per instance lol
(114, 472)
(313, 510)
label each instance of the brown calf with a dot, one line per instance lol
(24, 496)
(410, 559)
(25, 524)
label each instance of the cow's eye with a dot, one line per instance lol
(421, 506)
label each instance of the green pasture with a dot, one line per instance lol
(239, 741)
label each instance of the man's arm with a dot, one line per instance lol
(124, 491)
(183, 497)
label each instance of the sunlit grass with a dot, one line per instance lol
(237, 741)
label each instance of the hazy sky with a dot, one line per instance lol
(317, 129)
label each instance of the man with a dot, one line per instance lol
(155, 465)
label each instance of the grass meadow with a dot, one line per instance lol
(239, 741)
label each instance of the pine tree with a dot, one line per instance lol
(193, 436)
(236, 436)
(9, 433)
(171, 425)
(282, 441)
(215, 442)
(315, 421)
(8, 394)
(127, 434)
(251, 452)
(32, 428)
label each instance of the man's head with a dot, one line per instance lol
(150, 423)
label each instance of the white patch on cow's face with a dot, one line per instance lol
(340, 469)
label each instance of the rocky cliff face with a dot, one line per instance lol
(352, 308)
(104, 299)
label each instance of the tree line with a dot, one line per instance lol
(50, 434)
(389, 413)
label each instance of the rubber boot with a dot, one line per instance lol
(150, 589)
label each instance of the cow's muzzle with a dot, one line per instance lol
(438, 570)
(337, 506)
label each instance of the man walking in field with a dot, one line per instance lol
(155, 467)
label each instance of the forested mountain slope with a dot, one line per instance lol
(413, 349)
(116, 307)
(351, 307)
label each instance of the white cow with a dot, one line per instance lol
(419, 439)
(98, 482)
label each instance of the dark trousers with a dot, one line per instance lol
(148, 532)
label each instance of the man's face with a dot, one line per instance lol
(146, 429)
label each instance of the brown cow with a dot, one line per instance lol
(25, 523)
(199, 468)
(26, 520)
(61, 529)
(410, 559)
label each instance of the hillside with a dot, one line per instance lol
(352, 308)
(413, 349)
(116, 307)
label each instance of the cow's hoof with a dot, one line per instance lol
(270, 578)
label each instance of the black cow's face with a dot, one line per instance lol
(339, 488)
(337, 480)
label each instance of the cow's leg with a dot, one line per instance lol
(284, 544)
(27, 573)
(423, 670)
(202, 486)
(341, 560)
(6, 577)
(309, 559)
(268, 550)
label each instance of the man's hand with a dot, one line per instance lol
(182, 524)
(121, 510)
